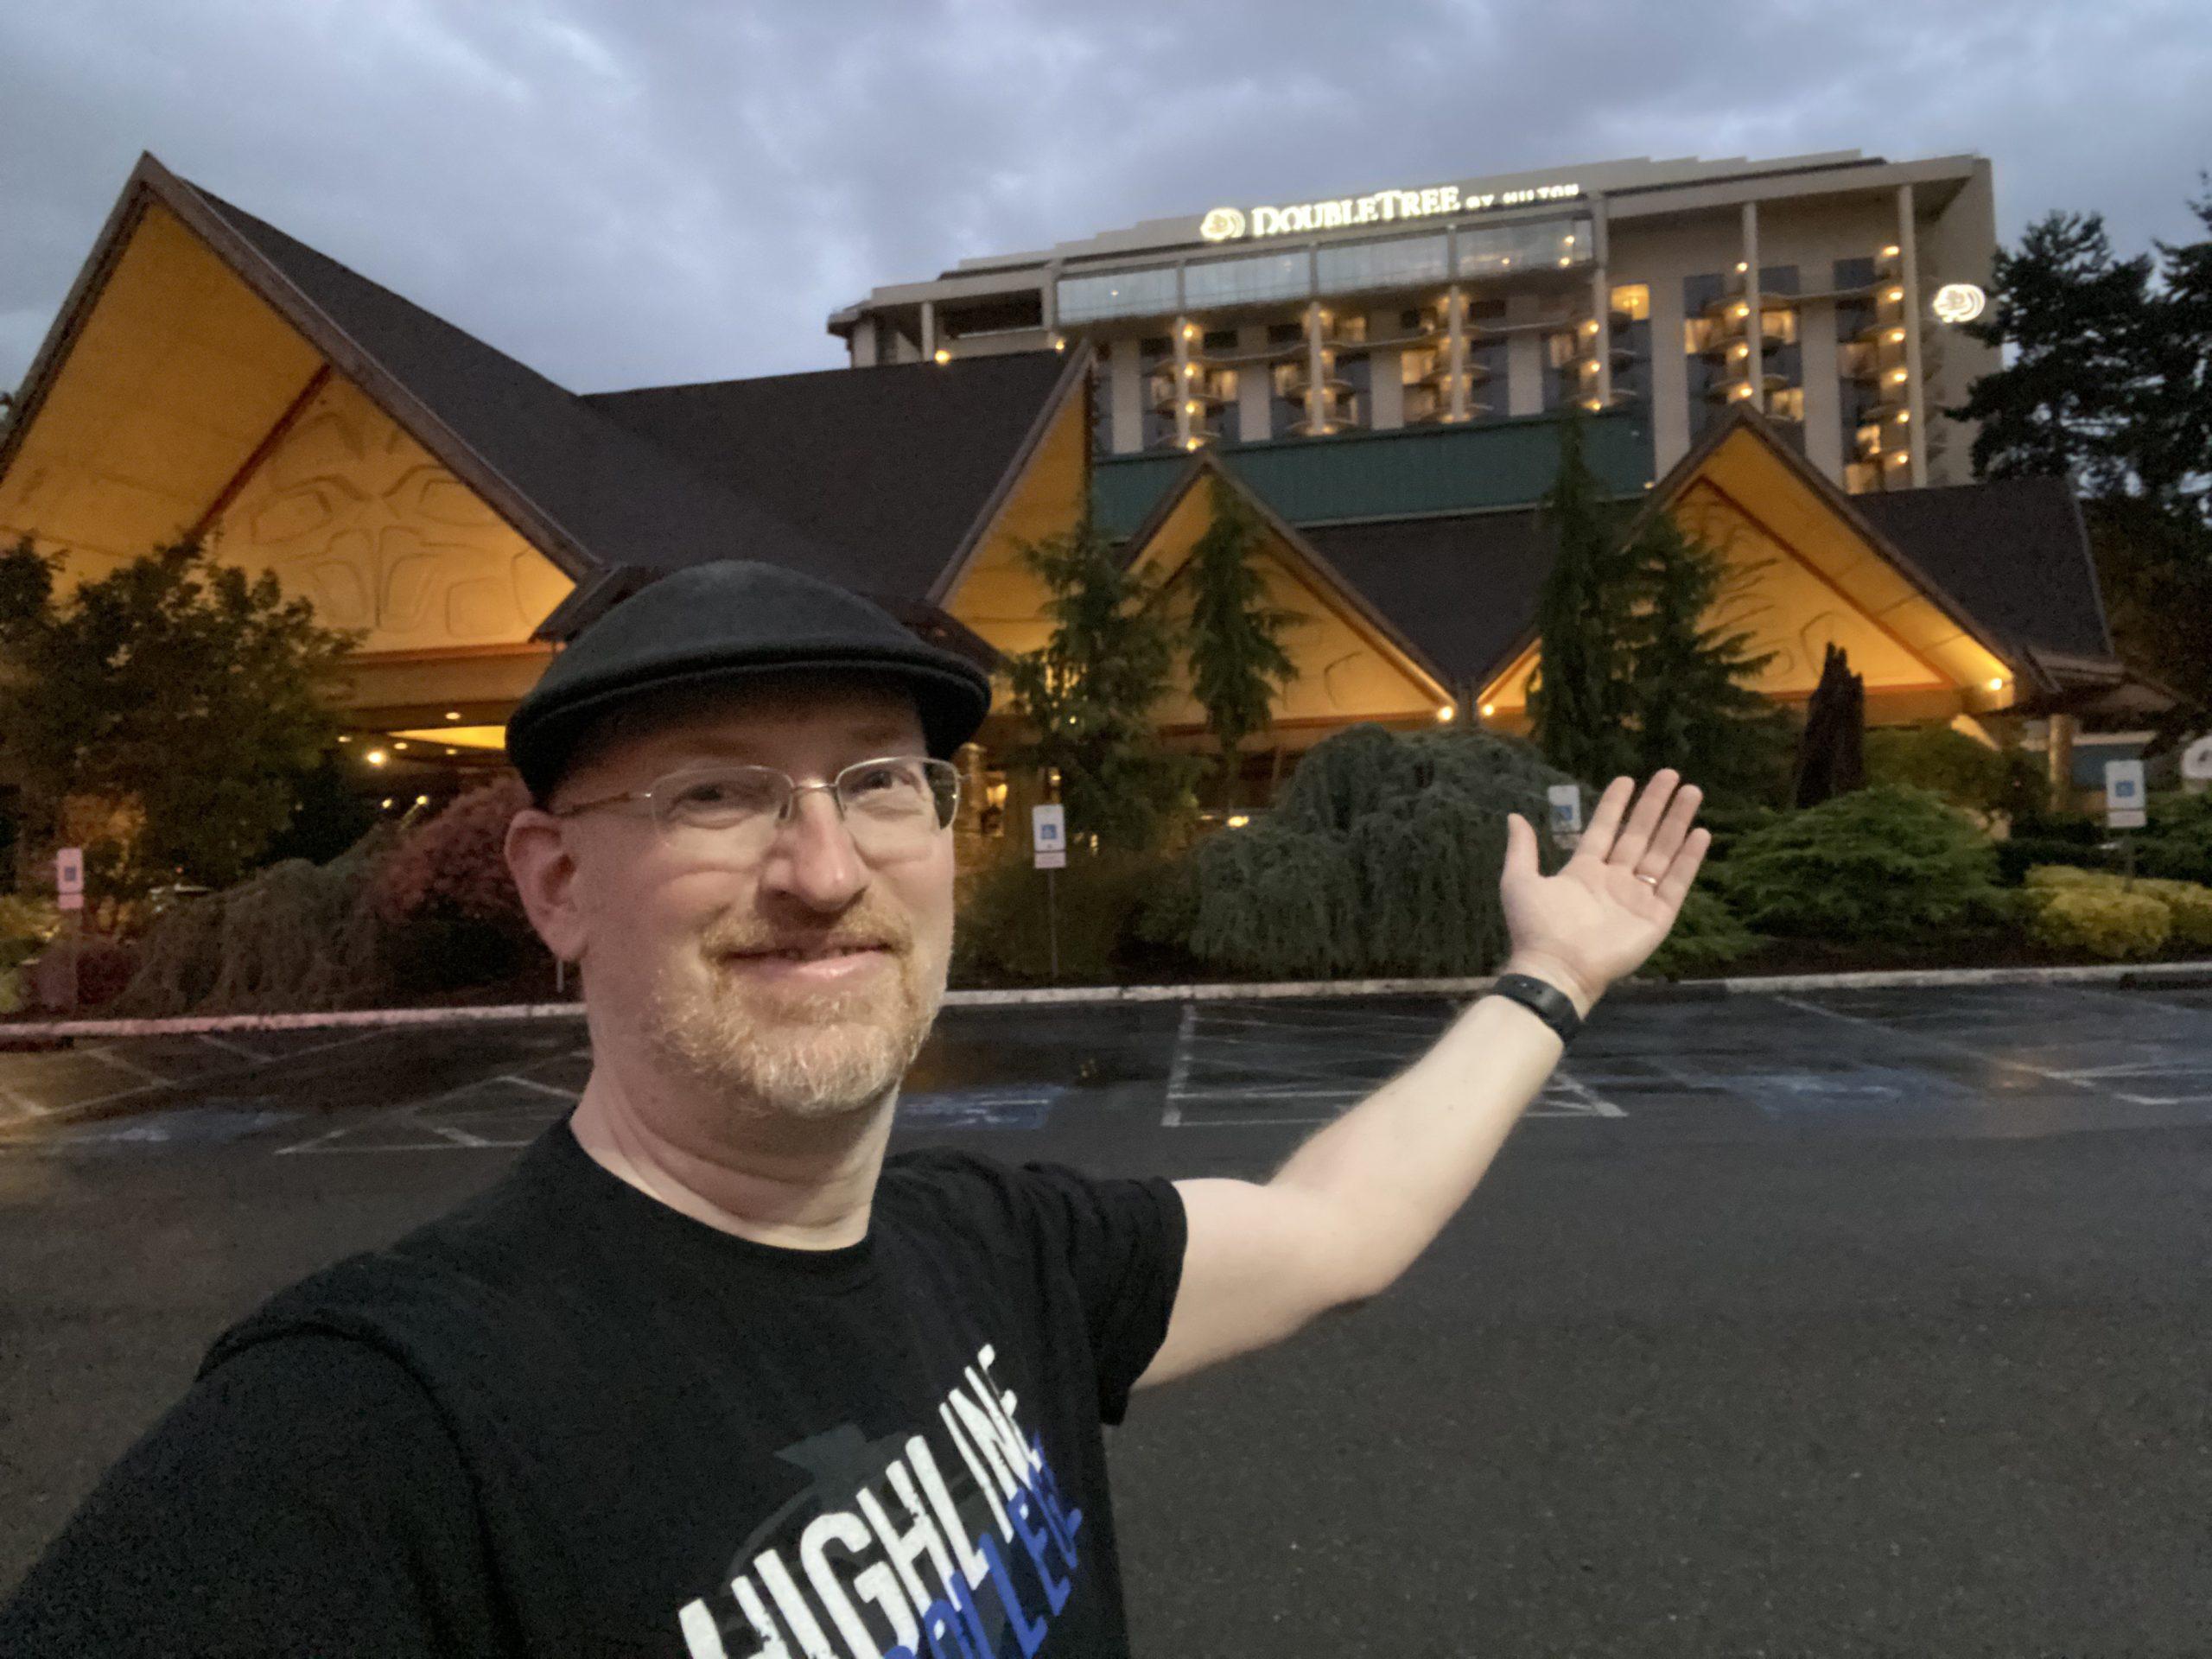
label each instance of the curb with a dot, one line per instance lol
(2120, 974)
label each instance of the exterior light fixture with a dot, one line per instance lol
(1743, 310)
(1490, 709)
(345, 737)
(1743, 267)
(1566, 260)
(1591, 326)
(1189, 443)
(453, 714)
(1903, 415)
(1897, 375)
(376, 757)
(1059, 342)
(1190, 331)
(1889, 252)
(943, 355)
(1192, 407)
(421, 800)
(1897, 457)
(1443, 714)
(1894, 295)
(1997, 684)
(399, 745)
(1594, 403)
(1237, 821)
(387, 802)
(1895, 335)
(1742, 351)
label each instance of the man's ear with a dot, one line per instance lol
(544, 871)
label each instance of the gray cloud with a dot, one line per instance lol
(622, 193)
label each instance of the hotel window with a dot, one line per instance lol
(1862, 381)
(1148, 293)
(1405, 262)
(1263, 279)
(1533, 245)
(1223, 418)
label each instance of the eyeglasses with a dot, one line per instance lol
(893, 808)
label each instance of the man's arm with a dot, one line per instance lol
(1366, 1196)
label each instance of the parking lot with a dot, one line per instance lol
(1831, 1322)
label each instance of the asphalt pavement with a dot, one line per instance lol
(1839, 1322)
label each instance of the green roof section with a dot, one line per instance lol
(1402, 474)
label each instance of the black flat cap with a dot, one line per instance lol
(724, 622)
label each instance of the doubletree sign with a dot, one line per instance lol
(1384, 207)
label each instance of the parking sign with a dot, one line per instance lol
(2124, 796)
(1048, 836)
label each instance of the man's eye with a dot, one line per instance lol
(726, 795)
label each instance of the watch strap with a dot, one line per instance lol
(1547, 1002)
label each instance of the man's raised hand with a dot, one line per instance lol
(1607, 910)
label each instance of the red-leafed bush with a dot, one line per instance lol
(455, 917)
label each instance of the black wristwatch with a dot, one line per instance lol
(1547, 1002)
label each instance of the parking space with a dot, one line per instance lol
(1819, 1322)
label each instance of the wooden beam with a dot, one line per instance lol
(262, 451)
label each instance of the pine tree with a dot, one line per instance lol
(1089, 693)
(2170, 428)
(2074, 319)
(1237, 659)
(1690, 692)
(1577, 698)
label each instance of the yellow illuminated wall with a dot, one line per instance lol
(354, 515)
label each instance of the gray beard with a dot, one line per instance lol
(792, 1053)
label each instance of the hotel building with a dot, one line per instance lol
(1628, 286)
(1383, 375)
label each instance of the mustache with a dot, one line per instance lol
(865, 925)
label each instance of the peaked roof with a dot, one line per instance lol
(896, 467)
(2014, 551)
(589, 492)
(2010, 560)
(1382, 620)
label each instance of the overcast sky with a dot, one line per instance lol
(628, 192)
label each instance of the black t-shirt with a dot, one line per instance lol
(567, 1418)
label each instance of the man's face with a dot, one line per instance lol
(797, 983)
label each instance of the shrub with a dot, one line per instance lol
(1382, 857)
(1964, 771)
(2190, 905)
(2102, 921)
(2178, 842)
(2048, 877)
(1706, 938)
(1102, 902)
(295, 937)
(15, 990)
(26, 924)
(445, 893)
(1886, 865)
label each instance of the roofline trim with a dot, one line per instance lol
(1205, 463)
(963, 556)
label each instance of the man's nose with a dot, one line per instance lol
(813, 858)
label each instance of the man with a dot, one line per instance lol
(707, 1373)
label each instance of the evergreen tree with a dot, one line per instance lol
(2074, 318)
(1577, 701)
(2169, 444)
(1237, 659)
(1090, 692)
(1689, 693)
(183, 694)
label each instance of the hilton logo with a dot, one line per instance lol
(1223, 224)
(1958, 302)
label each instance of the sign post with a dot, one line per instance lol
(2124, 808)
(69, 895)
(1048, 840)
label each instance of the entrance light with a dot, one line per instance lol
(1490, 709)
(376, 757)
(1889, 252)
(1997, 684)
(943, 355)
(1443, 714)
(453, 714)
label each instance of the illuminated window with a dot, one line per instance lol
(1496, 250)
(1787, 404)
(1633, 301)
